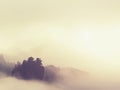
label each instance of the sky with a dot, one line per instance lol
(71, 33)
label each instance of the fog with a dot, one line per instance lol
(66, 79)
(10, 83)
(79, 39)
(67, 33)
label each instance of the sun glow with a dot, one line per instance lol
(102, 44)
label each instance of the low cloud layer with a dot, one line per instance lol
(55, 78)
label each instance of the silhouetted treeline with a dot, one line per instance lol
(29, 69)
(34, 69)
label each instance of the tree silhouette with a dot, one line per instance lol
(29, 69)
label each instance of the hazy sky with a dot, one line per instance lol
(77, 33)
